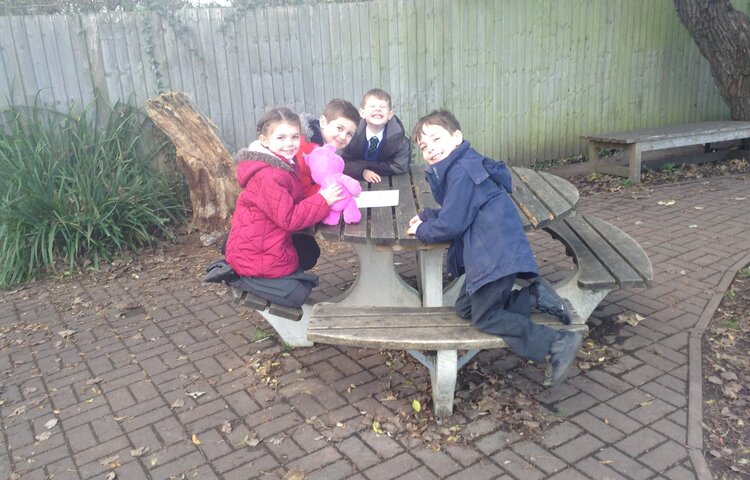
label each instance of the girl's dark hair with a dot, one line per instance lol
(274, 116)
(441, 118)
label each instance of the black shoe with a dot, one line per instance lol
(562, 353)
(548, 301)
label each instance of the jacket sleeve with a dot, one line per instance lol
(277, 203)
(459, 208)
(309, 187)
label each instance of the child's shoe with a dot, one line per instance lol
(562, 353)
(548, 301)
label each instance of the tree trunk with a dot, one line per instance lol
(723, 37)
(205, 163)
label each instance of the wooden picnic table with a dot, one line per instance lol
(541, 198)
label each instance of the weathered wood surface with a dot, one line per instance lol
(405, 328)
(237, 62)
(540, 198)
(676, 135)
(606, 256)
(202, 158)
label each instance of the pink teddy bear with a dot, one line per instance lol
(327, 168)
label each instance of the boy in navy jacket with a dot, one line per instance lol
(488, 244)
(380, 145)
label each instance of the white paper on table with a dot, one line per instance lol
(377, 198)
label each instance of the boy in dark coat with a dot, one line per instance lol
(380, 145)
(488, 244)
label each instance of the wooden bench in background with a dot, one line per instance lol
(633, 143)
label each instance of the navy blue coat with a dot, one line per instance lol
(478, 217)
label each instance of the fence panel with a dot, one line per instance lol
(526, 79)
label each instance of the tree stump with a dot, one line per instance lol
(202, 158)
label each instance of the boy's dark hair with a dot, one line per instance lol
(338, 107)
(377, 93)
(441, 118)
(274, 116)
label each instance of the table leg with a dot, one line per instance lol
(430, 266)
(377, 282)
(292, 333)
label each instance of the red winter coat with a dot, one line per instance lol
(309, 187)
(270, 207)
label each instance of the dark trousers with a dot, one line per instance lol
(498, 309)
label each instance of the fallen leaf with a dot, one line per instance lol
(666, 202)
(18, 411)
(137, 452)
(376, 427)
(416, 405)
(295, 474)
(110, 476)
(630, 318)
(226, 427)
(66, 333)
(50, 424)
(179, 403)
(194, 394)
(43, 436)
(111, 462)
(195, 440)
(276, 441)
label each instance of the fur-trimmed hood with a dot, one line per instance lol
(254, 158)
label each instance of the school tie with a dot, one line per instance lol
(373, 147)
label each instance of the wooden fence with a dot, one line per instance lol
(525, 78)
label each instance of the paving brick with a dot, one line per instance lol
(338, 469)
(497, 440)
(360, 454)
(479, 471)
(624, 464)
(598, 427)
(576, 403)
(179, 466)
(640, 441)
(592, 468)
(664, 456)
(242, 456)
(81, 437)
(539, 457)
(578, 448)
(517, 466)
(102, 450)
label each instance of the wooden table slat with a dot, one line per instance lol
(530, 207)
(593, 275)
(402, 215)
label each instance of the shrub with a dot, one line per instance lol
(75, 188)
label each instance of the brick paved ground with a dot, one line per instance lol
(150, 374)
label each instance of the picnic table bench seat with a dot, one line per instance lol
(432, 335)
(606, 258)
(634, 142)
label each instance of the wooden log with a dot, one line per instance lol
(202, 158)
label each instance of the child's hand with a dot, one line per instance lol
(414, 223)
(332, 193)
(370, 176)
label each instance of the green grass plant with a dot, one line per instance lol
(75, 189)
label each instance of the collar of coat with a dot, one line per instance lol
(471, 163)
(258, 153)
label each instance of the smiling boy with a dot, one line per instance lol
(335, 126)
(380, 145)
(488, 244)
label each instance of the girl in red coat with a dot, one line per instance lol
(272, 206)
